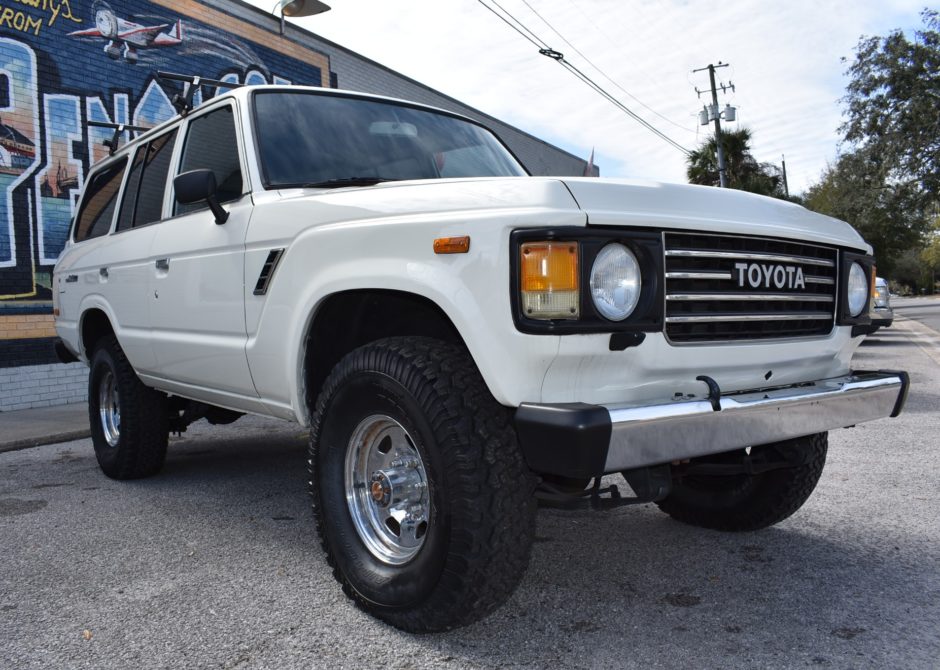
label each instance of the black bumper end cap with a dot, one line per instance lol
(568, 439)
(905, 387)
(902, 395)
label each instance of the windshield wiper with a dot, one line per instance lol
(346, 181)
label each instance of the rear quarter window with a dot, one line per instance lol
(99, 202)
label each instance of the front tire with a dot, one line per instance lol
(743, 502)
(129, 421)
(423, 501)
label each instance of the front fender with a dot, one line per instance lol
(471, 289)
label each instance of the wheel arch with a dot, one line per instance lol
(94, 325)
(363, 316)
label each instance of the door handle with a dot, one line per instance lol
(71, 279)
(162, 264)
(103, 272)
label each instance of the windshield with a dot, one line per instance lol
(310, 139)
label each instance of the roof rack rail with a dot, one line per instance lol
(119, 128)
(183, 102)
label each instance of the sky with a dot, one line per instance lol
(785, 61)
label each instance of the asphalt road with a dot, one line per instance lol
(924, 310)
(214, 564)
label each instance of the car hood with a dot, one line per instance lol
(604, 202)
(620, 202)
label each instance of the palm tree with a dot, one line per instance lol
(741, 168)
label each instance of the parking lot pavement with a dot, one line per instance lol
(215, 564)
(27, 428)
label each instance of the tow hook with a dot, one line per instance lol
(714, 391)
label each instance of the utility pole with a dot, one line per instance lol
(722, 172)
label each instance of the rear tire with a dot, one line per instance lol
(129, 421)
(749, 502)
(423, 501)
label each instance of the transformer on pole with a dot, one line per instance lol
(710, 113)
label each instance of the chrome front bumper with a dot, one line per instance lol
(579, 440)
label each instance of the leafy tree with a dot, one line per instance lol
(930, 255)
(888, 180)
(911, 272)
(743, 171)
(892, 104)
(889, 215)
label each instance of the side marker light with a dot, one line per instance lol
(452, 245)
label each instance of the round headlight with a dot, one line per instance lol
(858, 289)
(615, 282)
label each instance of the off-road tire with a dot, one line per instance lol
(144, 429)
(748, 502)
(482, 507)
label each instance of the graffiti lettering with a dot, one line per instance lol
(46, 146)
(21, 21)
(53, 7)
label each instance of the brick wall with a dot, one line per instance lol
(57, 74)
(30, 386)
(26, 326)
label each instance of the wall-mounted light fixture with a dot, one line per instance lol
(298, 8)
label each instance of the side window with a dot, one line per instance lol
(99, 203)
(211, 144)
(131, 189)
(143, 197)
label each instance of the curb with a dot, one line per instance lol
(30, 442)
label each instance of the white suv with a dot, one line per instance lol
(461, 338)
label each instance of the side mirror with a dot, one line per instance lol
(196, 186)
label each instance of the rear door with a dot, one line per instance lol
(197, 281)
(129, 272)
(108, 271)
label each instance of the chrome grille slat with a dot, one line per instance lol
(751, 257)
(771, 297)
(721, 318)
(698, 275)
(712, 297)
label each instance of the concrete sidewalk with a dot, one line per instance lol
(26, 428)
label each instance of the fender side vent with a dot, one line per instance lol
(267, 271)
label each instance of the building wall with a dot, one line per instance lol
(64, 63)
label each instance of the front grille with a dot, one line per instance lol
(722, 287)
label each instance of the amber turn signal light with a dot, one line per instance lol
(549, 280)
(452, 245)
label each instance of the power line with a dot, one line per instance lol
(604, 74)
(597, 87)
(545, 50)
(522, 30)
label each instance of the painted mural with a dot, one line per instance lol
(66, 62)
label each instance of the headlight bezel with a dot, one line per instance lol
(844, 315)
(644, 244)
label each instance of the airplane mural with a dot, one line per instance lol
(51, 87)
(126, 37)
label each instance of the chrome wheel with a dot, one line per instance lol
(387, 490)
(109, 408)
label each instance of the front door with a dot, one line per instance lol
(197, 297)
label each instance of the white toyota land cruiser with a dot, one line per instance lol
(461, 338)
